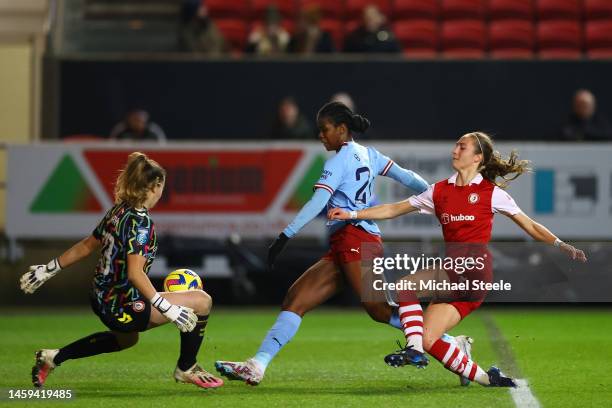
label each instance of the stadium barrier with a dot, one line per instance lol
(254, 189)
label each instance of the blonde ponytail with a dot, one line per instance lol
(136, 179)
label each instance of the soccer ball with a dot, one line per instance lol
(182, 279)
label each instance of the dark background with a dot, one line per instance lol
(516, 100)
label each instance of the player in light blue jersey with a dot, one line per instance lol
(347, 182)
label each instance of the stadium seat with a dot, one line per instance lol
(235, 32)
(559, 10)
(229, 9)
(354, 8)
(511, 9)
(559, 39)
(419, 38)
(287, 24)
(462, 9)
(598, 39)
(329, 9)
(351, 26)
(511, 39)
(336, 29)
(287, 8)
(463, 39)
(415, 9)
(598, 9)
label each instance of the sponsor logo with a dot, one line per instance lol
(125, 319)
(356, 157)
(326, 174)
(355, 250)
(448, 218)
(473, 198)
(138, 306)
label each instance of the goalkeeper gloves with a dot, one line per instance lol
(183, 317)
(39, 274)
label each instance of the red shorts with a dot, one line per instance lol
(465, 308)
(470, 300)
(346, 245)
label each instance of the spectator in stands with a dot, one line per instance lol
(309, 38)
(344, 98)
(271, 38)
(137, 127)
(584, 123)
(373, 35)
(198, 32)
(290, 123)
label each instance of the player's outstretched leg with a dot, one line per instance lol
(456, 361)
(252, 370)
(97, 343)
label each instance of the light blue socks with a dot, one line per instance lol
(283, 330)
(395, 320)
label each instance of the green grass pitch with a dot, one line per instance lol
(336, 359)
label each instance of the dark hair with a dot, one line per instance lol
(338, 113)
(137, 178)
(493, 165)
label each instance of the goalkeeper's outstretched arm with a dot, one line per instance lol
(39, 274)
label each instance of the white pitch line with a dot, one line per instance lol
(522, 395)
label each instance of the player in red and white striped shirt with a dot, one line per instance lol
(465, 205)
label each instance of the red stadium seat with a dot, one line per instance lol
(559, 9)
(511, 39)
(351, 26)
(287, 8)
(354, 8)
(598, 39)
(329, 8)
(419, 38)
(462, 9)
(598, 9)
(463, 39)
(229, 8)
(288, 25)
(415, 9)
(559, 39)
(234, 31)
(511, 9)
(336, 29)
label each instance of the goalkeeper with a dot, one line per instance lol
(122, 295)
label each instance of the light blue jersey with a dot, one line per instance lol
(348, 181)
(350, 176)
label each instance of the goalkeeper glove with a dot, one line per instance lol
(183, 317)
(39, 274)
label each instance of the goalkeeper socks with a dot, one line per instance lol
(456, 361)
(97, 343)
(287, 324)
(190, 344)
(411, 318)
(394, 321)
